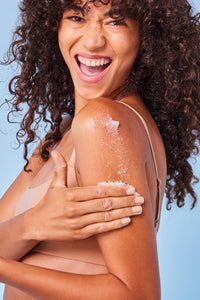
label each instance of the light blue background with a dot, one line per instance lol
(178, 236)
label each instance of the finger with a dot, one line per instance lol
(108, 216)
(60, 172)
(107, 204)
(96, 192)
(97, 228)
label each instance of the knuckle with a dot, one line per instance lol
(69, 195)
(73, 224)
(78, 235)
(100, 228)
(100, 192)
(70, 210)
(105, 216)
(106, 204)
(81, 234)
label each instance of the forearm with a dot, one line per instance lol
(48, 284)
(13, 238)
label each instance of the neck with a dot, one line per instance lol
(80, 101)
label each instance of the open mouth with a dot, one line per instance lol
(92, 66)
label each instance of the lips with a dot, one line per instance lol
(92, 69)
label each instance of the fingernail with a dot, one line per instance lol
(130, 190)
(137, 210)
(139, 200)
(126, 221)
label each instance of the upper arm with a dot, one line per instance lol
(111, 145)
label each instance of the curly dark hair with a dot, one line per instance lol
(166, 74)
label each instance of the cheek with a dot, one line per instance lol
(128, 54)
(64, 37)
(67, 38)
(64, 47)
(132, 46)
(61, 41)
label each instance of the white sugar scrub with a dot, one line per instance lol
(122, 168)
(121, 172)
(117, 183)
(120, 139)
(110, 124)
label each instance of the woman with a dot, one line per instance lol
(113, 61)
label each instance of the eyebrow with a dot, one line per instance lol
(107, 13)
(76, 8)
(83, 11)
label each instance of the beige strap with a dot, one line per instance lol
(158, 197)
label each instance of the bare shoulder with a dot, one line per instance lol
(110, 142)
(106, 120)
(105, 107)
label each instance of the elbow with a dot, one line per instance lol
(143, 294)
(141, 290)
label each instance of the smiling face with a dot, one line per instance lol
(99, 51)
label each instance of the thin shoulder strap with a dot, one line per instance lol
(158, 198)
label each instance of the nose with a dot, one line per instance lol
(93, 37)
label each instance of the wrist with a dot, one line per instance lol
(30, 232)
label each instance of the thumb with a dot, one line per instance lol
(60, 171)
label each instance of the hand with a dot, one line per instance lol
(67, 214)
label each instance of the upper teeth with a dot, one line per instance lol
(93, 62)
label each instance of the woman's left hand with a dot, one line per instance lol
(67, 214)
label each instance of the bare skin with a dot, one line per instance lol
(18, 237)
(132, 261)
(142, 227)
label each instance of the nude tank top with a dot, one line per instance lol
(84, 256)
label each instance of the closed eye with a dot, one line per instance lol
(118, 23)
(75, 19)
